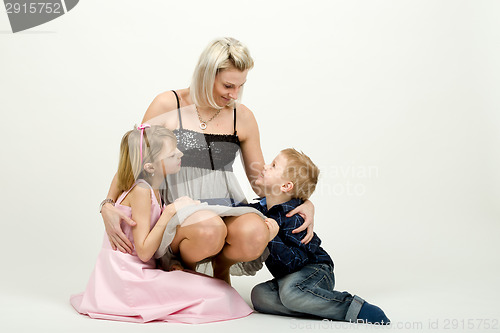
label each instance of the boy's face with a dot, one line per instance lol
(271, 177)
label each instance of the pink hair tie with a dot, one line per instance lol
(141, 128)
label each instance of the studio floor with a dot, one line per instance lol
(438, 308)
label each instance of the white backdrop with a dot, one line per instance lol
(396, 101)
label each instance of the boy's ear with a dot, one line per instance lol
(287, 187)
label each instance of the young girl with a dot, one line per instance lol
(127, 287)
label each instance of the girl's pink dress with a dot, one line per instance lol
(124, 288)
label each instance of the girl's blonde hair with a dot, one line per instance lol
(130, 167)
(221, 54)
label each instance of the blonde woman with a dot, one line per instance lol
(212, 127)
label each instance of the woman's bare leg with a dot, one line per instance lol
(247, 238)
(202, 235)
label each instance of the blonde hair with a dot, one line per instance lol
(302, 172)
(130, 167)
(220, 54)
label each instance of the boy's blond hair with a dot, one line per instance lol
(302, 172)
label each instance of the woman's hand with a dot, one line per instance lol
(306, 211)
(273, 228)
(112, 218)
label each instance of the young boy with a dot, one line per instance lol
(303, 274)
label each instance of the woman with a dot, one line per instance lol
(211, 127)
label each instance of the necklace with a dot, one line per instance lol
(203, 123)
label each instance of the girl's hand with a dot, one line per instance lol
(184, 202)
(306, 211)
(273, 228)
(112, 218)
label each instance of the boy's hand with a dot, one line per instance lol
(273, 228)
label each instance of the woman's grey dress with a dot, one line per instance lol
(207, 175)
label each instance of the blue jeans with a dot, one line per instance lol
(306, 292)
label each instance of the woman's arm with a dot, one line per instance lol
(112, 218)
(248, 133)
(253, 160)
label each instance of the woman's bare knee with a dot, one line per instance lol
(202, 239)
(212, 233)
(249, 234)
